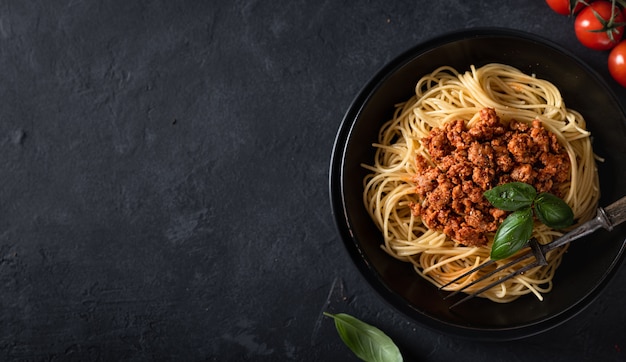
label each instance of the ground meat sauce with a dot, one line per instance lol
(468, 162)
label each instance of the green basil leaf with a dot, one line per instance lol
(512, 196)
(366, 342)
(512, 234)
(553, 212)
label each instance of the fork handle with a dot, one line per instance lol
(616, 212)
(605, 218)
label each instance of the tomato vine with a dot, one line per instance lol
(599, 25)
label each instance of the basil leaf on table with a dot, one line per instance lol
(553, 212)
(511, 196)
(512, 234)
(366, 341)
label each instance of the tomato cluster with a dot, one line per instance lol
(599, 25)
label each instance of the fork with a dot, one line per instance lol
(606, 218)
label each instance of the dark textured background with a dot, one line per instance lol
(164, 190)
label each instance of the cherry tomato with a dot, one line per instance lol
(565, 7)
(599, 33)
(617, 63)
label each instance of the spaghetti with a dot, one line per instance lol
(446, 95)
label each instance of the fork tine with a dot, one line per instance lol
(499, 281)
(475, 269)
(521, 258)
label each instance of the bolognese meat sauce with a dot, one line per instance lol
(464, 163)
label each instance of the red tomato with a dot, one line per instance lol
(617, 63)
(599, 34)
(564, 7)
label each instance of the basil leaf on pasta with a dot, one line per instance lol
(512, 234)
(511, 196)
(553, 212)
(366, 341)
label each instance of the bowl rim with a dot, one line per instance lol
(340, 213)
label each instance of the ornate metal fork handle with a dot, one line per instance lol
(606, 218)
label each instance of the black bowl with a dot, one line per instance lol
(590, 262)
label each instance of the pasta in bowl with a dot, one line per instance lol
(428, 203)
(386, 172)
